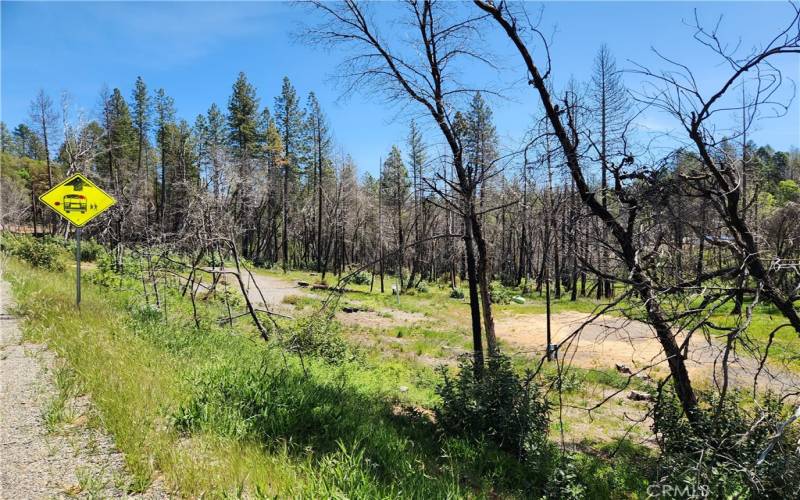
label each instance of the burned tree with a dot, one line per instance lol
(422, 75)
(717, 177)
(623, 226)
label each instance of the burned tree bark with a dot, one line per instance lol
(622, 234)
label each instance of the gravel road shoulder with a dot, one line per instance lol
(44, 457)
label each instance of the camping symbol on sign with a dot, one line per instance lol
(78, 200)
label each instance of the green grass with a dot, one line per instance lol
(57, 409)
(437, 305)
(785, 346)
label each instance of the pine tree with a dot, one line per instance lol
(480, 141)
(212, 137)
(27, 143)
(395, 187)
(274, 150)
(165, 123)
(610, 105)
(244, 139)
(243, 119)
(289, 120)
(141, 119)
(6, 139)
(183, 174)
(319, 144)
(417, 156)
(120, 139)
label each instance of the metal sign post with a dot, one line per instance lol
(78, 267)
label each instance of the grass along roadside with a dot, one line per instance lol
(59, 410)
(134, 384)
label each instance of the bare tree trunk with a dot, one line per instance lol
(486, 300)
(285, 202)
(33, 209)
(475, 313)
(319, 199)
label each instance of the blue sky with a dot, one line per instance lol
(195, 50)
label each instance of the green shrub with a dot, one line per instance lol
(316, 337)
(361, 278)
(422, 287)
(146, 313)
(42, 253)
(717, 456)
(111, 270)
(499, 405)
(499, 294)
(575, 475)
(228, 296)
(456, 293)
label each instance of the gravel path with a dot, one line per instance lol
(72, 459)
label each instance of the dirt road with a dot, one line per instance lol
(73, 460)
(608, 341)
(275, 290)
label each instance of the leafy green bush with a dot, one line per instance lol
(499, 405)
(228, 296)
(579, 475)
(316, 337)
(146, 312)
(361, 278)
(422, 287)
(456, 293)
(499, 294)
(717, 456)
(41, 253)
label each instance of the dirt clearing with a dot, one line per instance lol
(608, 341)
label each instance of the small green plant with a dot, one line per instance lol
(91, 484)
(90, 250)
(55, 413)
(299, 301)
(228, 296)
(146, 313)
(317, 337)
(456, 293)
(499, 294)
(422, 287)
(58, 411)
(498, 404)
(361, 278)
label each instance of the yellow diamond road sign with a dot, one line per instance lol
(78, 200)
